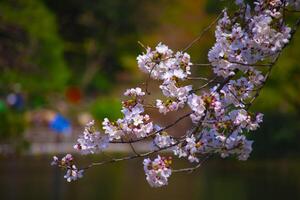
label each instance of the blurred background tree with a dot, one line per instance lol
(32, 52)
(31, 60)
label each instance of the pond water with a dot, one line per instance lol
(30, 178)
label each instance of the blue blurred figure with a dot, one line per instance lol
(60, 124)
(16, 101)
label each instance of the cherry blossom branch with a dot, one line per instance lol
(197, 78)
(220, 115)
(137, 155)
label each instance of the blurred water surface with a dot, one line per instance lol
(33, 178)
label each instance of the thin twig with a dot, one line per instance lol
(133, 149)
(203, 32)
(206, 84)
(191, 169)
(142, 45)
(253, 65)
(201, 64)
(197, 78)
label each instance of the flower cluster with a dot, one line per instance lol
(177, 96)
(134, 124)
(208, 103)
(91, 141)
(157, 171)
(163, 140)
(163, 64)
(239, 46)
(238, 92)
(241, 42)
(73, 173)
(223, 119)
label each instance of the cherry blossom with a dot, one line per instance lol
(251, 38)
(73, 173)
(162, 140)
(157, 171)
(134, 123)
(92, 141)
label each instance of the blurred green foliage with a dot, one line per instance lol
(12, 124)
(31, 55)
(97, 35)
(31, 48)
(106, 107)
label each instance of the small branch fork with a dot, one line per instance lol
(203, 32)
(192, 169)
(199, 125)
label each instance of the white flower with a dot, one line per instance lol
(73, 174)
(197, 105)
(163, 140)
(238, 144)
(143, 130)
(180, 152)
(163, 49)
(169, 105)
(163, 64)
(170, 89)
(66, 160)
(254, 124)
(243, 120)
(91, 141)
(240, 117)
(55, 160)
(255, 77)
(193, 158)
(189, 150)
(157, 171)
(113, 131)
(134, 92)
